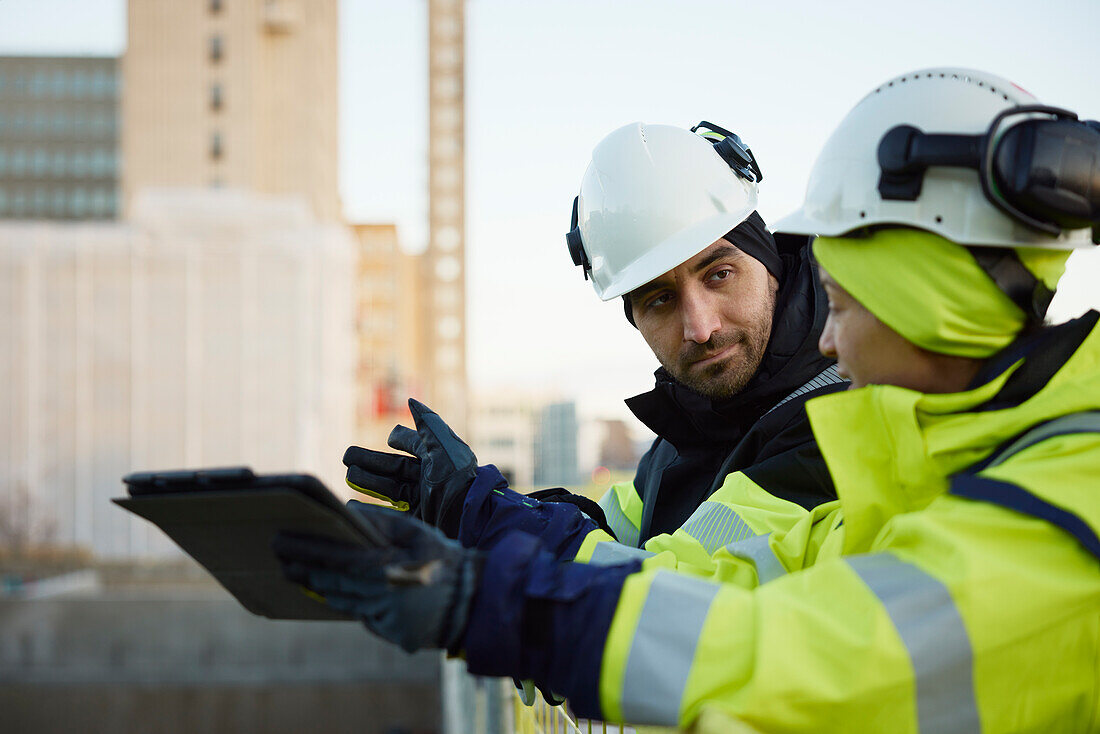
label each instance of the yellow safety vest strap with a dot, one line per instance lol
(932, 629)
(865, 638)
(622, 507)
(758, 551)
(715, 524)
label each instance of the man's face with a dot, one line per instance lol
(868, 351)
(708, 320)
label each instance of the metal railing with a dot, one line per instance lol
(542, 718)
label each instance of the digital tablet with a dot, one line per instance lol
(226, 518)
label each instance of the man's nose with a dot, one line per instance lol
(701, 317)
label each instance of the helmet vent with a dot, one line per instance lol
(942, 75)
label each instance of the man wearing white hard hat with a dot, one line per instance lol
(666, 219)
(956, 588)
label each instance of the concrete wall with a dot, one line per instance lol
(194, 661)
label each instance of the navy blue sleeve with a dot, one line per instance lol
(536, 618)
(492, 510)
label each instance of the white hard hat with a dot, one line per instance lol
(653, 197)
(961, 153)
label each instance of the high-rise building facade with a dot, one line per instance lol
(58, 137)
(445, 263)
(233, 93)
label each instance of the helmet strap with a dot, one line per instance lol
(1003, 265)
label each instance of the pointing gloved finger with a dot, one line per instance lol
(400, 493)
(435, 433)
(404, 439)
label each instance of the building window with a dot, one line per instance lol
(78, 204)
(216, 96)
(100, 83)
(60, 84)
(80, 165)
(216, 150)
(41, 205)
(18, 162)
(58, 204)
(215, 6)
(80, 84)
(216, 48)
(99, 202)
(3, 201)
(40, 163)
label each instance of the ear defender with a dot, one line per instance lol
(575, 243)
(1043, 173)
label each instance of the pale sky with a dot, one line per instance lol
(545, 81)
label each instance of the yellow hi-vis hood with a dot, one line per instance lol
(930, 290)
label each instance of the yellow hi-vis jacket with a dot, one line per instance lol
(955, 589)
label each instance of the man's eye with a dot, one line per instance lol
(660, 300)
(720, 275)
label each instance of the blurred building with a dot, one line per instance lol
(233, 93)
(212, 328)
(503, 426)
(556, 446)
(391, 332)
(618, 451)
(532, 439)
(58, 137)
(229, 316)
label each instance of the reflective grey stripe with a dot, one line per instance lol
(663, 649)
(759, 551)
(714, 525)
(1074, 423)
(608, 553)
(929, 624)
(620, 524)
(827, 376)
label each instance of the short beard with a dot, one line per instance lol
(725, 378)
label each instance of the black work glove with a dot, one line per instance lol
(416, 592)
(433, 485)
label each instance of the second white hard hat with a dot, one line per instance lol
(919, 151)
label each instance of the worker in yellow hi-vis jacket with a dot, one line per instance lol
(956, 586)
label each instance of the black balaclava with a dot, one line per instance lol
(752, 238)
